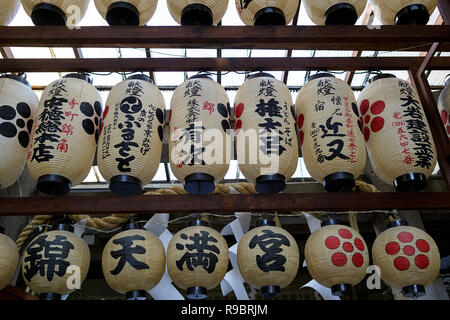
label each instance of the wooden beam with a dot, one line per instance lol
(78, 53)
(444, 9)
(6, 53)
(13, 293)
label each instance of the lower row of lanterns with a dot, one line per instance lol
(60, 134)
(134, 260)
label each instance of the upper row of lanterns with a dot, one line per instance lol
(211, 12)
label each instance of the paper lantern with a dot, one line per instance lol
(197, 12)
(444, 107)
(133, 262)
(334, 12)
(131, 135)
(8, 11)
(18, 104)
(65, 134)
(397, 134)
(266, 12)
(330, 135)
(337, 257)
(403, 11)
(55, 12)
(267, 147)
(53, 261)
(197, 259)
(9, 259)
(128, 12)
(200, 142)
(408, 258)
(268, 258)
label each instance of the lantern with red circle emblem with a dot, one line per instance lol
(408, 258)
(444, 106)
(337, 257)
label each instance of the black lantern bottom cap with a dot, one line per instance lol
(199, 183)
(339, 182)
(413, 291)
(270, 292)
(49, 296)
(196, 293)
(413, 14)
(270, 183)
(411, 182)
(54, 185)
(136, 295)
(196, 14)
(125, 185)
(341, 14)
(269, 16)
(46, 14)
(341, 290)
(122, 14)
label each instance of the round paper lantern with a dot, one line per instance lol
(334, 12)
(128, 12)
(397, 134)
(200, 142)
(267, 147)
(408, 258)
(131, 135)
(444, 106)
(9, 259)
(65, 134)
(18, 104)
(55, 12)
(133, 262)
(197, 12)
(8, 11)
(52, 262)
(197, 259)
(268, 258)
(403, 11)
(266, 12)
(337, 257)
(330, 136)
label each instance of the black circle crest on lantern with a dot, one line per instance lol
(9, 130)
(224, 111)
(91, 126)
(160, 117)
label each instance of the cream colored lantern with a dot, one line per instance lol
(334, 12)
(266, 12)
(8, 10)
(444, 107)
(403, 12)
(55, 12)
(197, 12)
(131, 140)
(9, 259)
(126, 12)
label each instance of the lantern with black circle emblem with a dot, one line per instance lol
(200, 137)
(330, 132)
(266, 12)
(65, 134)
(197, 12)
(197, 259)
(334, 12)
(266, 141)
(18, 104)
(268, 258)
(128, 12)
(444, 107)
(403, 12)
(397, 133)
(9, 259)
(56, 262)
(8, 11)
(408, 258)
(55, 12)
(131, 138)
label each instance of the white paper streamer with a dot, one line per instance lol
(80, 227)
(158, 223)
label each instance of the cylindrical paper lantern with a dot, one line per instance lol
(444, 107)
(65, 134)
(51, 259)
(197, 12)
(337, 257)
(330, 136)
(403, 11)
(200, 142)
(266, 12)
(8, 11)
(18, 104)
(126, 12)
(407, 257)
(133, 262)
(55, 12)
(334, 12)
(131, 137)
(9, 259)
(197, 259)
(267, 147)
(268, 258)
(397, 134)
